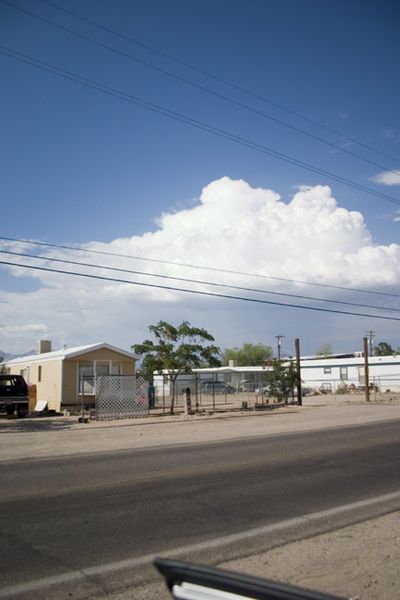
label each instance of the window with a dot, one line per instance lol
(102, 367)
(327, 370)
(39, 375)
(86, 378)
(88, 371)
(115, 368)
(343, 374)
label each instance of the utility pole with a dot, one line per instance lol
(366, 372)
(298, 374)
(279, 339)
(370, 335)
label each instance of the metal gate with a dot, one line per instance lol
(121, 397)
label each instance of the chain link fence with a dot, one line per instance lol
(121, 397)
(207, 392)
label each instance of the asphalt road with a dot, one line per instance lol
(61, 516)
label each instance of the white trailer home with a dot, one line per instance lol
(331, 373)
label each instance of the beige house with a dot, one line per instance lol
(63, 377)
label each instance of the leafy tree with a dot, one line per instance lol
(324, 351)
(248, 355)
(282, 380)
(383, 349)
(177, 350)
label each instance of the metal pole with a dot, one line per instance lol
(366, 371)
(279, 339)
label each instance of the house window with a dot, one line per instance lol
(327, 370)
(86, 378)
(39, 375)
(343, 374)
(115, 368)
(102, 367)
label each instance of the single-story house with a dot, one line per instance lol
(63, 377)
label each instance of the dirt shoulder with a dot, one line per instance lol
(63, 436)
(359, 562)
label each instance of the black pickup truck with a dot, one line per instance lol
(14, 395)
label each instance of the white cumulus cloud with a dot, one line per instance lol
(388, 177)
(232, 227)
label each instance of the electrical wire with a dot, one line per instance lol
(55, 70)
(198, 281)
(217, 78)
(192, 266)
(198, 86)
(200, 293)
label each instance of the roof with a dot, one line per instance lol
(225, 369)
(351, 362)
(66, 353)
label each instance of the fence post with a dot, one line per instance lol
(196, 379)
(366, 372)
(188, 402)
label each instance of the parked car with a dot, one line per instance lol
(216, 387)
(14, 395)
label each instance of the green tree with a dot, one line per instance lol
(383, 349)
(282, 380)
(324, 351)
(176, 350)
(249, 355)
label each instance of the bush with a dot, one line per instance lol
(342, 389)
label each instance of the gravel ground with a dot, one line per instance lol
(360, 562)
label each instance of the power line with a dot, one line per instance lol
(196, 85)
(21, 57)
(192, 266)
(216, 78)
(199, 292)
(197, 281)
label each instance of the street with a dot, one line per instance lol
(60, 516)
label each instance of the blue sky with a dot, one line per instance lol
(80, 166)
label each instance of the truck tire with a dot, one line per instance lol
(9, 411)
(21, 412)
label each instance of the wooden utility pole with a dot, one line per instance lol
(366, 372)
(299, 390)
